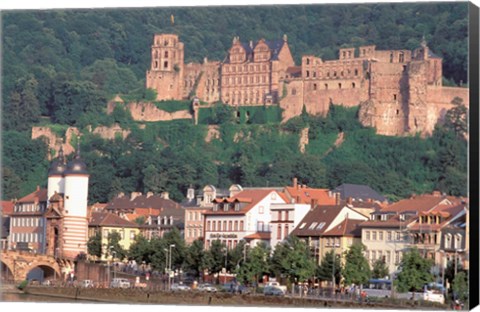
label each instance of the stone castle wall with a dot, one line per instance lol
(147, 111)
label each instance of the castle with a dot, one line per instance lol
(399, 91)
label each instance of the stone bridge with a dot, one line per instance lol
(17, 265)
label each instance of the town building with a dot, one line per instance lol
(105, 223)
(302, 194)
(386, 234)
(358, 193)
(156, 213)
(27, 222)
(327, 228)
(244, 216)
(6, 212)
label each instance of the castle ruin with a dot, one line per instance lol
(399, 91)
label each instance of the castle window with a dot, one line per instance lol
(308, 61)
(165, 43)
(314, 74)
(156, 64)
(401, 57)
(391, 57)
(326, 86)
(344, 54)
(339, 85)
(335, 74)
(294, 91)
(353, 85)
(308, 74)
(398, 111)
(356, 72)
(341, 73)
(404, 67)
(394, 97)
(166, 53)
(314, 86)
(165, 64)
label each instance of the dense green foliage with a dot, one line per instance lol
(414, 272)
(65, 63)
(356, 269)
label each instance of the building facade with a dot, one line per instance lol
(399, 91)
(244, 216)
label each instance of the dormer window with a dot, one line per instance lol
(237, 207)
(215, 207)
(225, 207)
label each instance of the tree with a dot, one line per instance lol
(460, 286)
(292, 259)
(327, 268)
(380, 269)
(94, 245)
(23, 108)
(357, 270)
(195, 259)
(140, 250)
(215, 257)
(114, 248)
(414, 272)
(255, 265)
(456, 118)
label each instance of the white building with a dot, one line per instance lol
(285, 218)
(246, 215)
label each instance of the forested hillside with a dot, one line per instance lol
(61, 67)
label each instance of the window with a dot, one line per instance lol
(279, 231)
(189, 233)
(285, 233)
(398, 236)
(241, 225)
(394, 97)
(388, 257)
(235, 225)
(165, 64)
(230, 225)
(208, 226)
(353, 85)
(458, 241)
(166, 53)
(214, 225)
(380, 235)
(313, 225)
(367, 235)
(302, 225)
(397, 257)
(374, 255)
(224, 225)
(132, 234)
(448, 241)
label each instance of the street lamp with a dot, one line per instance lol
(114, 254)
(225, 274)
(170, 265)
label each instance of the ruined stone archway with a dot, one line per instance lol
(41, 273)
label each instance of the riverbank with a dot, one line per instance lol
(142, 296)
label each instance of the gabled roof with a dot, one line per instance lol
(40, 194)
(275, 46)
(417, 203)
(448, 212)
(250, 197)
(259, 235)
(317, 220)
(304, 195)
(105, 219)
(7, 207)
(348, 227)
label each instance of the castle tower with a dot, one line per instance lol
(75, 230)
(56, 180)
(166, 69)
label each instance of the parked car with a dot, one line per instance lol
(206, 287)
(273, 291)
(87, 284)
(179, 287)
(120, 283)
(233, 287)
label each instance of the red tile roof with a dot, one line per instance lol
(446, 211)
(110, 220)
(418, 203)
(259, 235)
(347, 227)
(304, 195)
(311, 224)
(7, 207)
(40, 194)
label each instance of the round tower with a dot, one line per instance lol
(56, 179)
(75, 231)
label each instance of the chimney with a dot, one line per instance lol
(164, 195)
(149, 194)
(436, 193)
(135, 195)
(337, 198)
(38, 188)
(313, 203)
(295, 182)
(349, 200)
